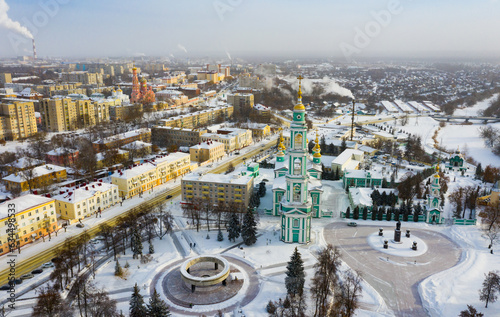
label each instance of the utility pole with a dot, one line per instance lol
(352, 119)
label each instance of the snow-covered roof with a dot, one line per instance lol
(346, 155)
(61, 151)
(125, 135)
(22, 203)
(136, 145)
(37, 172)
(25, 162)
(353, 173)
(207, 145)
(74, 195)
(219, 178)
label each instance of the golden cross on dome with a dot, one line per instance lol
(300, 86)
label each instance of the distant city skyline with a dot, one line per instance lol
(234, 28)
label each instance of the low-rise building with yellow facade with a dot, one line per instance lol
(32, 217)
(141, 178)
(207, 151)
(199, 118)
(218, 188)
(37, 177)
(87, 200)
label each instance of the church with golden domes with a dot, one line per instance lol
(433, 209)
(297, 188)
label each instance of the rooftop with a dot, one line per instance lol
(22, 203)
(219, 178)
(37, 172)
(75, 194)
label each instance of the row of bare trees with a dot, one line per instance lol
(206, 210)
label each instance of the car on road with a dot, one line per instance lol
(49, 264)
(168, 196)
(37, 271)
(352, 224)
(80, 225)
(5, 287)
(27, 276)
(93, 241)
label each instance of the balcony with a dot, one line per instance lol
(189, 191)
(237, 200)
(205, 192)
(237, 195)
(220, 194)
(237, 189)
(189, 196)
(220, 199)
(205, 187)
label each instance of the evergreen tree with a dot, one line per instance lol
(396, 214)
(355, 215)
(295, 274)
(491, 286)
(416, 212)
(249, 228)
(271, 308)
(384, 183)
(479, 171)
(254, 200)
(337, 174)
(388, 216)
(137, 307)
(151, 248)
(220, 236)
(470, 312)
(137, 244)
(343, 145)
(118, 269)
(374, 212)
(262, 189)
(383, 199)
(365, 213)
(234, 228)
(157, 307)
(348, 212)
(381, 212)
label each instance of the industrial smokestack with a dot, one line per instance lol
(34, 50)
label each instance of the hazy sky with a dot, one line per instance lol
(285, 28)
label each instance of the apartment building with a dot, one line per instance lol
(62, 156)
(141, 178)
(199, 118)
(17, 119)
(5, 78)
(73, 112)
(218, 188)
(243, 137)
(125, 112)
(238, 100)
(207, 151)
(167, 136)
(259, 130)
(34, 217)
(74, 204)
(37, 177)
(229, 140)
(83, 77)
(122, 139)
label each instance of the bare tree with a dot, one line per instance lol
(163, 222)
(325, 279)
(346, 298)
(50, 304)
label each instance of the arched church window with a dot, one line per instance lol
(295, 223)
(298, 142)
(296, 193)
(297, 168)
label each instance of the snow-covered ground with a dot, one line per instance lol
(475, 109)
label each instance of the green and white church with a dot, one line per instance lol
(433, 209)
(297, 188)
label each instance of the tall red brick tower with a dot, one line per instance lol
(136, 88)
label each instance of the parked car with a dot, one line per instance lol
(5, 287)
(80, 225)
(169, 196)
(37, 271)
(48, 264)
(352, 224)
(27, 276)
(94, 241)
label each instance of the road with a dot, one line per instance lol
(395, 278)
(44, 256)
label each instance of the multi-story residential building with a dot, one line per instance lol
(88, 200)
(72, 112)
(37, 177)
(125, 112)
(229, 140)
(5, 78)
(33, 217)
(238, 100)
(167, 136)
(138, 179)
(199, 118)
(243, 137)
(259, 130)
(218, 188)
(121, 139)
(62, 156)
(17, 119)
(83, 77)
(207, 151)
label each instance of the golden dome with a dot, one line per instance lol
(299, 107)
(317, 154)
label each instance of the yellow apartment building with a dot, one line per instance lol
(32, 216)
(141, 178)
(207, 151)
(17, 119)
(88, 200)
(199, 118)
